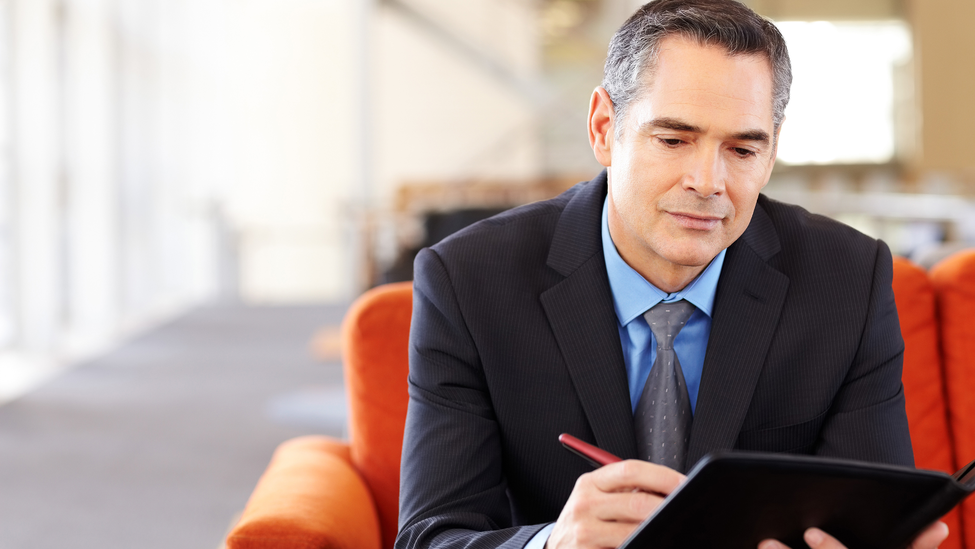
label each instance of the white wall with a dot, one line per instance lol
(294, 117)
(441, 117)
(313, 147)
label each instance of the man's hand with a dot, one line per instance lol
(817, 539)
(607, 504)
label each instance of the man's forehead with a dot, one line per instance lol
(690, 79)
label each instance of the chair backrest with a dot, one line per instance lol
(924, 379)
(924, 384)
(954, 285)
(375, 336)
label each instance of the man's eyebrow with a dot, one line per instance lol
(752, 135)
(672, 124)
(681, 126)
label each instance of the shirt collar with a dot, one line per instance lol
(633, 295)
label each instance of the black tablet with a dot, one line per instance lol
(736, 500)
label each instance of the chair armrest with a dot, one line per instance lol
(309, 497)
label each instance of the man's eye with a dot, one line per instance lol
(672, 142)
(743, 152)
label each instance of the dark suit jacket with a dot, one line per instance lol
(514, 341)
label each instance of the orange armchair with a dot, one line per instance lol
(924, 380)
(954, 283)
(323, 493)
(319, 492)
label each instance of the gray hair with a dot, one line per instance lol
(634, 49)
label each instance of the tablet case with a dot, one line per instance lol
(736, 500)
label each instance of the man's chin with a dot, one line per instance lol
(697, 259)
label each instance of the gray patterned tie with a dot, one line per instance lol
(663, 415)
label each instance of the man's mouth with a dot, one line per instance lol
(699, 222)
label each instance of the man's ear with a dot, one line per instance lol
(601, 126)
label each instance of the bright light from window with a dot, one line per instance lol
(842, 106)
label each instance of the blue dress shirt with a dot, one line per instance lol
(633, 295)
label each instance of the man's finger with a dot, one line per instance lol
(931, 537)
(635, 474)
(628, 505)
(632, 507)
(817, 539)
(814, 537)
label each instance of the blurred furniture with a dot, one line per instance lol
(323, 493)
(436, 227)
(424, 212)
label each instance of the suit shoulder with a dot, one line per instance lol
(815, 238)
(797, 222)
(502, 259)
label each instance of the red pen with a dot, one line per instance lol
(596, 456)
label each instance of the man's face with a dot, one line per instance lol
(695, 151)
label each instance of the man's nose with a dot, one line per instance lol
(706, 173)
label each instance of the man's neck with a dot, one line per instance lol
(668, 277)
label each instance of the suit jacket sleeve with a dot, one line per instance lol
(867, 420)
(452, 488)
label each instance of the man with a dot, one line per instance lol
(538, 321)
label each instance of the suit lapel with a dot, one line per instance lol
(581, 315)
(584, 324)
(747, 306)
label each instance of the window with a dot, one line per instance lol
(842, 109)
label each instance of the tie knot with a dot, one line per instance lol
(666, 321)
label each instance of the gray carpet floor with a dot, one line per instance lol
(158, 443)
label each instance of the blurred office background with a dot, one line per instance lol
(175, 170)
